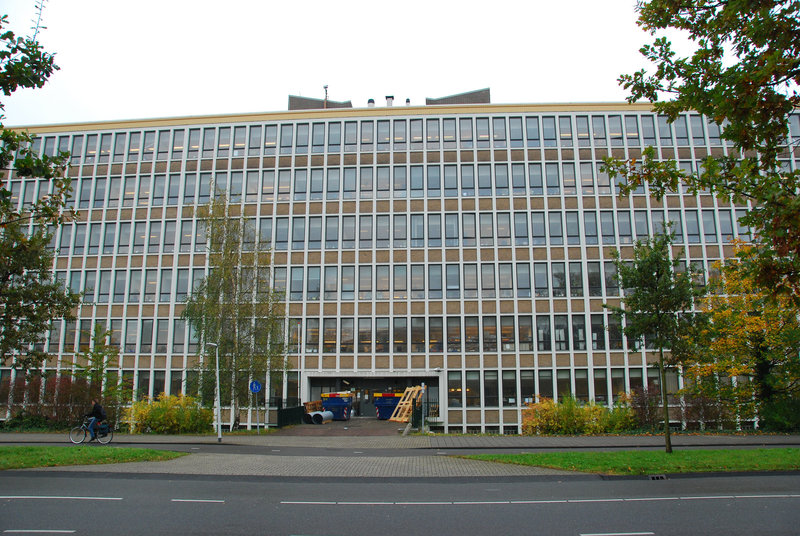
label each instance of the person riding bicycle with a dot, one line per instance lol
(96, 416)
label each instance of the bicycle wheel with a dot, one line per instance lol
(77, 435)
(105, 438)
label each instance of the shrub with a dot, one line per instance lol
(169, 415)
(570, 417)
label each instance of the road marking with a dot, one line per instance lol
(198, 500)
(357, 452)
(617, 533)
(56, 497)
(535, 501)
(33, 531)
(195, 448)
(276, 450)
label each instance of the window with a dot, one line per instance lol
(556, 230)
(467, 180)
(346, 336)
(507, 335)
(434, 230)
(435, 335)
(454, 389)
(590, 227)
(365, 282)
(505, 278)
(313, 283)
(561, 332)
(607, 227)
(453, 281)
(454, 334)
(525, 333)
(468, 229)
(532, 131)
(364, 335)
(540, 279)
(504, 229)
(487, 280)
(473, 388)
(538, 234)
(559, 280)
(331, 282)
(549, 131)
(471, 334)
(543, 341)
(382, 335)
(598, 332)
(612, 285)
(348, 285)
(418, 334)
(501, 179)
(470, 280)
(400, 335)
(578, 332)
(595, 279)
(523, 280)
(489, 334)
(709, 227)
(329, 336)
(491, 388)
(400, 282)
(484, 179)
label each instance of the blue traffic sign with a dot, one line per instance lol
(255, 386)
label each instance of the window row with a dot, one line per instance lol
(511, 388)
(456, 334)
(598, 130)
(384, 231)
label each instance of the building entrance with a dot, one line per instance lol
(363, 389)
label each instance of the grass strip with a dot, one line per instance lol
(24, 457)
(648, 462)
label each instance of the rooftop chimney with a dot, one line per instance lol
(389, 100)
(371, 103)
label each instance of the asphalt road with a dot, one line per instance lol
(81, 503)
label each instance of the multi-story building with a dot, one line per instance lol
(462, 244)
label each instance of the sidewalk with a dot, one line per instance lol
(364, 464)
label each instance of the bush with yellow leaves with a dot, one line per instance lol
(570, 417)
(169, 415)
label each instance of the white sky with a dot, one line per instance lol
(148, 59)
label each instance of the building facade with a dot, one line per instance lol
(467, 246)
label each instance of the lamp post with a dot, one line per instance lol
(219, 418)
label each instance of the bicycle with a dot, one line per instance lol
(103, 433)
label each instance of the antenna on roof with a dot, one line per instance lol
(325, 104)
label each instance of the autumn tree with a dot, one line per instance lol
(29, 296)
(657, 294)
(743, 73)
(747, 355)
(235, 306)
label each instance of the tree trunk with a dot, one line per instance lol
(663, 374)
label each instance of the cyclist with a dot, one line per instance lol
(96, 416)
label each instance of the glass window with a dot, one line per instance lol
(400, 336)
(470, 280)
(595, 278)
(532, 131)
(540, 279)
(590, 227)
(578, 332)
(465, 132)
(543, 339)
(538, 233)
(473, 388)
(565, 131)
(549, 131)
(487, 280)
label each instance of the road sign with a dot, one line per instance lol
(255, 386)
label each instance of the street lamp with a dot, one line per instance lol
(219, 418)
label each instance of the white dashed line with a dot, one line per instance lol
(616, 533)
(37, 531)
(60, 498)
(198, 500)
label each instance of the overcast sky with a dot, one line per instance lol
(166, 58)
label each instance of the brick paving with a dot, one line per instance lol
(365, 435)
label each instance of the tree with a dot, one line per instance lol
(29, 297)
(656, 294)
(747, 355)
(235, 305)
(743, 74)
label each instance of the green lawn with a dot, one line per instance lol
(648, 462)
(25, 457)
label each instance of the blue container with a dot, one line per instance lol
(340, 404)
(385, 403)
